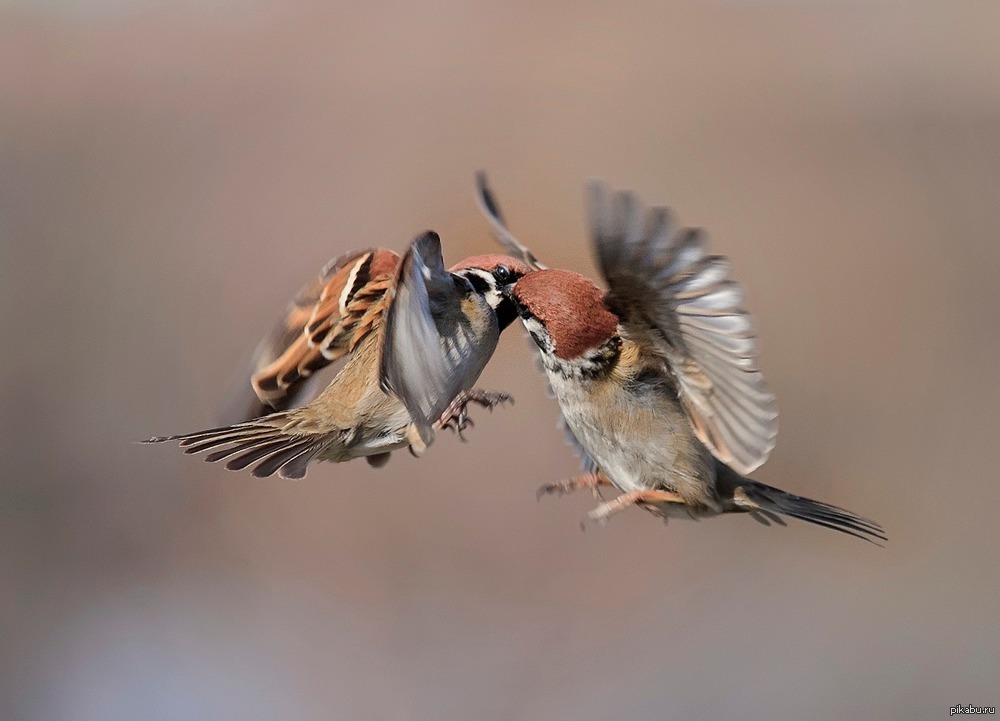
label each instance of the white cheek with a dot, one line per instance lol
(538, 333)
(532, 325)
(494, 298)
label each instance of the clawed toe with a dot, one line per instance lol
(489, 399)
(560, 488)
(462, 424)
(457, 416)
(598, 517)
(459, 423)
(588, 480)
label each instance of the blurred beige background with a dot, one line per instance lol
(170, 172)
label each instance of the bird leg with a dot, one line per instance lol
(603, 512)
(456, 415)
(587, 480)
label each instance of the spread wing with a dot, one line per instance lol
(323, 323)
(490, 208)
(439, 334)
(683, 303)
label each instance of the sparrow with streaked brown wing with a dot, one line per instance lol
(315, 331)
(361, 308)
(657, 379)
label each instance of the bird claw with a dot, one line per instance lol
(457, 416)
(459, 422)
(605, 511)
(488, 399)
(589, 480)
(560, 488)
(598, 517)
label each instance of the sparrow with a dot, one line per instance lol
(370, 306)
(657, 378)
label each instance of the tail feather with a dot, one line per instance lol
(239, 447)
(754, 496)
(264, 442)
(293, 468)
(204, 445)
(254, 453)
(291, 461)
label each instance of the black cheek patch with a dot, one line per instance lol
(479, 284)
(506, 313)
(463, 283)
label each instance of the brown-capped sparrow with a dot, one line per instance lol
(657, 378)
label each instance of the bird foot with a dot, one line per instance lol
(561, 488)
(605, 511)
(456, 416)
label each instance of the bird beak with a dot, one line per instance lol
(507, 311)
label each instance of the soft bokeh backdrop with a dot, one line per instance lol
(170, 172)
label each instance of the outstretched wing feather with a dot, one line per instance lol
(682, 302)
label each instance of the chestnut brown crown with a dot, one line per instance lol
(492, 261)
(570, 307)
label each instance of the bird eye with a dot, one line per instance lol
(502, 273)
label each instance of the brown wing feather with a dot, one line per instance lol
(325, 322)
(681, 301)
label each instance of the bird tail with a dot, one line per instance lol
(756, 498)
(271, 443)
